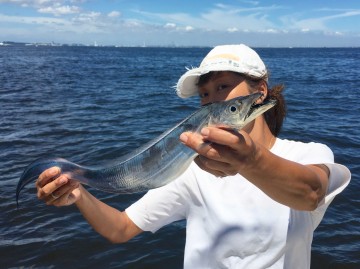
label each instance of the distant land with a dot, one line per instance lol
(53, 44)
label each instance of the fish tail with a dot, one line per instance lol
(33, 170)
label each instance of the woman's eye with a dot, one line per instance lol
(203, 95)
(222, 87)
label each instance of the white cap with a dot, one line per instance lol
(236, 58)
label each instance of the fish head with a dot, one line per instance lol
(237, 112)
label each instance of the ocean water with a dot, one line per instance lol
(91, 105)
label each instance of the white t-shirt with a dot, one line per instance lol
(231, 223)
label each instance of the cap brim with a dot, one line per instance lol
(187, 84)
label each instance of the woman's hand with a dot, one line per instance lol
(57, 189)
(222, 152)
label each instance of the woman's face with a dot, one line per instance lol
(223, 86)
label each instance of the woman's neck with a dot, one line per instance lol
(259, 131)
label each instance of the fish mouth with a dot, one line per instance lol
(257, 109)
(254, 105)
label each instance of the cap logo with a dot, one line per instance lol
(224, 56)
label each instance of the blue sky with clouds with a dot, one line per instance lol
(182, 23)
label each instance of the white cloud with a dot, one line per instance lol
(133, 23)
(41, 3)
(114, 14)
(83, 23)
(220, 17)
(170, 25)
(252, 18)
(240, 19)
(90, 17)
(32, 20)
(233, 30)
(255, 3)
(336, 33)
(319, 23)
(92, 23)
(59, 10)
(272, 31)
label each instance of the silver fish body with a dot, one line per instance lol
(159, 161)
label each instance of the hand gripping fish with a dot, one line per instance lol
(159, 161)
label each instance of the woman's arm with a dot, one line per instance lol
(298, 186)
(57, 189)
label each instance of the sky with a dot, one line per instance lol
(304, 23)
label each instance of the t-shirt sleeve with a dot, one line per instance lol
(161, 206)
(338, 180)
(339, 176)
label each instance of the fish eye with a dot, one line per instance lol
(233, 109)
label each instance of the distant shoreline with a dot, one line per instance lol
(53, 44)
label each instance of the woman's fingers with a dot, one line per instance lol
(197, 143)
(216, 144)
(223, 136)
(222, 151)
(206, 167)
(46, 176)
(57, 189)
(67, 195)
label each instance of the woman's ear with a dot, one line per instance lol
(262, 88)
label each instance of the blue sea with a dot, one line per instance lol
(93, 104)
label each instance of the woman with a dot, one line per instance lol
(251, 200)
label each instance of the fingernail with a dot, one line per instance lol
(62, 180)
(205, 131)
(54, 171)
(183, 138)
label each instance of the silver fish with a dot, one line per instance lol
(159, 161)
